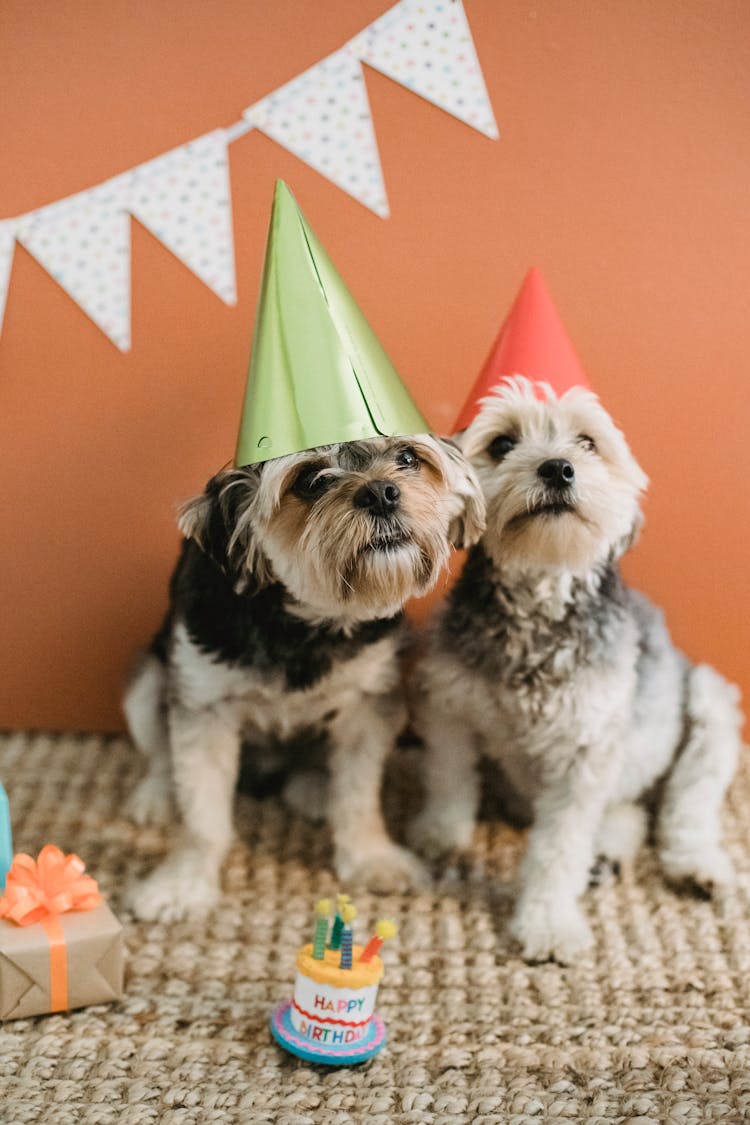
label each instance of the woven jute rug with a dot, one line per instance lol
(652, 1026)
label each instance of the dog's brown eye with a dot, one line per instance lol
(587, 442)
(501, 445)
(309, 484)
(407, 458)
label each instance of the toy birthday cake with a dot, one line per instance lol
(331, 1017)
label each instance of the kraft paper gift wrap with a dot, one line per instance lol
(60, 945)
(91, 964)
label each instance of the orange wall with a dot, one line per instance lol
(622, 172)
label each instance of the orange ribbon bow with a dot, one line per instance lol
(37, 891)
(52, 884)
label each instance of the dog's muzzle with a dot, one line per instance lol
(557, 474)
(381, 499)
(557, 497)
(378, 497)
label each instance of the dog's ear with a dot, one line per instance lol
(470, 518)
(220, 522)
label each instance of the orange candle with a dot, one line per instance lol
(383, 930)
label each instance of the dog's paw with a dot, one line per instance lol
(176, 890)
(547, 930)
(705, 871)
(385, 869)
(151, 801)
(438, 834)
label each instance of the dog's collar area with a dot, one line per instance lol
(484, 583)
(493, 612)
(264, 627)
(334, 628)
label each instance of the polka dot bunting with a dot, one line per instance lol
(323, 117)
(184, 199)
(7, 246)
(426, 45)
(84, 243)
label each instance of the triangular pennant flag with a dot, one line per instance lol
(84, 243)
(318, 374)
(184, 199)
(323, 117)
(531, 342)
(7, 246)
(426, 45)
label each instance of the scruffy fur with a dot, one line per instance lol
(546, 662)
(284, 624)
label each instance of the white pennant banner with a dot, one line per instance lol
(184, 199)
(428, 48)
(7, 246)
(84, 243)
(323, 117)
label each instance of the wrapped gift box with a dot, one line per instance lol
(70, 961)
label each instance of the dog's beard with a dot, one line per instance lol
(390, 570)
(551, 536)
(533, 527)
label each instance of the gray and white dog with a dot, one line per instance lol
(284, 629)
(544, 661)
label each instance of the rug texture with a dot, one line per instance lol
(652, 1026)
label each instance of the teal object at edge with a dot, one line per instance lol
(6, 838)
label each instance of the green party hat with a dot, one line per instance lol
(318, 374)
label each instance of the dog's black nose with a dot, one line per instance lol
(380, 497)
(557, 473)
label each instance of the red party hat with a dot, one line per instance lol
(532, 342)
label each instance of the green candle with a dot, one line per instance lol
(322, 909)
(338, 923)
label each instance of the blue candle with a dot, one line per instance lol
(346, 948)
(348, 914)
(6, 840)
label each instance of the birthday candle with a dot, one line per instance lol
(383, 930)
(338, 922)
(6, 840)
(322, 909)
(348, 914)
